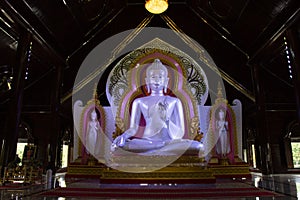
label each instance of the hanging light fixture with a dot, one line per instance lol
(156, 6)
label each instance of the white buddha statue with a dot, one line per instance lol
(93, 134)
(223, 144)
(164, 117)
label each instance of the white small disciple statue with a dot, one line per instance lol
(164, 117)
(223, 144)
(93, 134)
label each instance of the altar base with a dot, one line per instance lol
(79, 171)
(222, 168)
(191, 175)
(154, 169)
(185, 170)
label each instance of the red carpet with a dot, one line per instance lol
(174, 193)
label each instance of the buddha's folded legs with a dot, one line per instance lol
(142, 145)
(182, 145)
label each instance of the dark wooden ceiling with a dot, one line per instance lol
(237, 34)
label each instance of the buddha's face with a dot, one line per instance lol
(93, 115)
(157, 79)
(221, 114)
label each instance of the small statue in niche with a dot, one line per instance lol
(93, 134)
(223, 143)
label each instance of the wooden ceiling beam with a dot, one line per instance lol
(21, 13)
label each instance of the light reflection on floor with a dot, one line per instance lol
(286, 184)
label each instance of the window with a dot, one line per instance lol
(64, 157)
(296, 154)
(20, 150)
(253, 156)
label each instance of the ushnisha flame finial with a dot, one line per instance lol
(220, 93)
(157, 65)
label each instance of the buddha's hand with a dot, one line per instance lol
(119, 141)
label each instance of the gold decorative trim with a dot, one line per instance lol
(230, 170)
(120, 127)
(167, 173)
(200, 52)
(115, 52)
(79, 170)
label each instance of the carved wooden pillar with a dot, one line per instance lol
(263, 147)
(8, 150)
(294, 43)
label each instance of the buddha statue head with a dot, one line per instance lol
(93, 115)
(221, 114)
(157, 77)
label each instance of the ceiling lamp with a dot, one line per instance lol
(156, 6)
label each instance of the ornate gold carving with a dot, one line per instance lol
(120, 127)
(231, 170)
(195, 129)
(88, 170)
(223, 161)
(167, 173)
